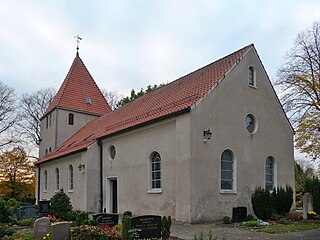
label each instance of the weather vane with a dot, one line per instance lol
(78, 38)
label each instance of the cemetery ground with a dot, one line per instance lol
(306, 230)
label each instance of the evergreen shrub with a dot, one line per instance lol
(60, 204)
(261, 203)
(313, 186)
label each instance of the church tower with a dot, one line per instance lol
(78, 101)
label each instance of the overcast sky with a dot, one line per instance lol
(134, 43)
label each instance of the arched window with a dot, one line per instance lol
(71, 119)
(46, 152)
(251, 76)
(227, 173)
(49, 149)
(70, 177)
(45, 184)
(270, 173)
(155, 170)
(57, 179)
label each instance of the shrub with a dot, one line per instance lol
(25, 222)
(250, 217)
(252, 223)
(60, 204)
(165, 227)
(94, 232)
(283, 221)
(22, 236)
(226, 220)
(4, 211)
(261, 203)
(313, 186)
(282, 199)
(6, 230)
(126, 226)
(278, 202)
(294, 216)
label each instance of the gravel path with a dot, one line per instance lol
(229, 232)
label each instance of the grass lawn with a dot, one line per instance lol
(292, 227)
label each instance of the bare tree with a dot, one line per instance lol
(112, 97)
(299, 78)
(33, 106)
(8, 116)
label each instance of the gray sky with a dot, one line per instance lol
(130, 44)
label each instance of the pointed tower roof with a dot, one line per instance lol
(79, 92)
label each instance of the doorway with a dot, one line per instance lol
(112, 190)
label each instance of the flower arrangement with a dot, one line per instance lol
(311, 215)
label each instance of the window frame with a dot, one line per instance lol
(233, 170)
(252, 77)
(57, 187)
(154, 168)
(71, 119)
(273, 174)
(255, 122)
(45, 182)
(70, 178)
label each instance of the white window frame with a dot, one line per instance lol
(152, 171)
(234, 173)
(70, 178)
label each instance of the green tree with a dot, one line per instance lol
(60, 204)
(134, 95)
(299, 78)
(17, 173)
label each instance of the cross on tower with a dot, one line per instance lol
(78, 38)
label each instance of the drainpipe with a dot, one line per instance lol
(101, 173)
(38, 188)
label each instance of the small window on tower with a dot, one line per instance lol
(71, 119)
(88, 101)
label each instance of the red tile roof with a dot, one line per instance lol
(76, 88)
(175, 97)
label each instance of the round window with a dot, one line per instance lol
(112, 152)
(250, 123)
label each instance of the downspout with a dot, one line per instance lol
(38, 188)
(101, 173)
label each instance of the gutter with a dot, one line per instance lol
(101, 173)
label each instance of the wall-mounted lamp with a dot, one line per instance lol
(81, 167)
(207, 135)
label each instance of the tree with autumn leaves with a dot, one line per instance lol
(299, 78)
(17, 174)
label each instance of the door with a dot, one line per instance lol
(113, 195)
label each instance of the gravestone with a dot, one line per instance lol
(239, 214)
(61, 231)
(307, 205)
(106, 218)
(41, 227)
(44, 207)
(27, 212)
(150, 226)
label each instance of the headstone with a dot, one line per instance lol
(27, 212)
(239, 214)
(61, 231)
(41, 227)
(106, 218)
(307, 205)
(150, 226)
(44, 207)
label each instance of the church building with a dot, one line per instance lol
(192, 149)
